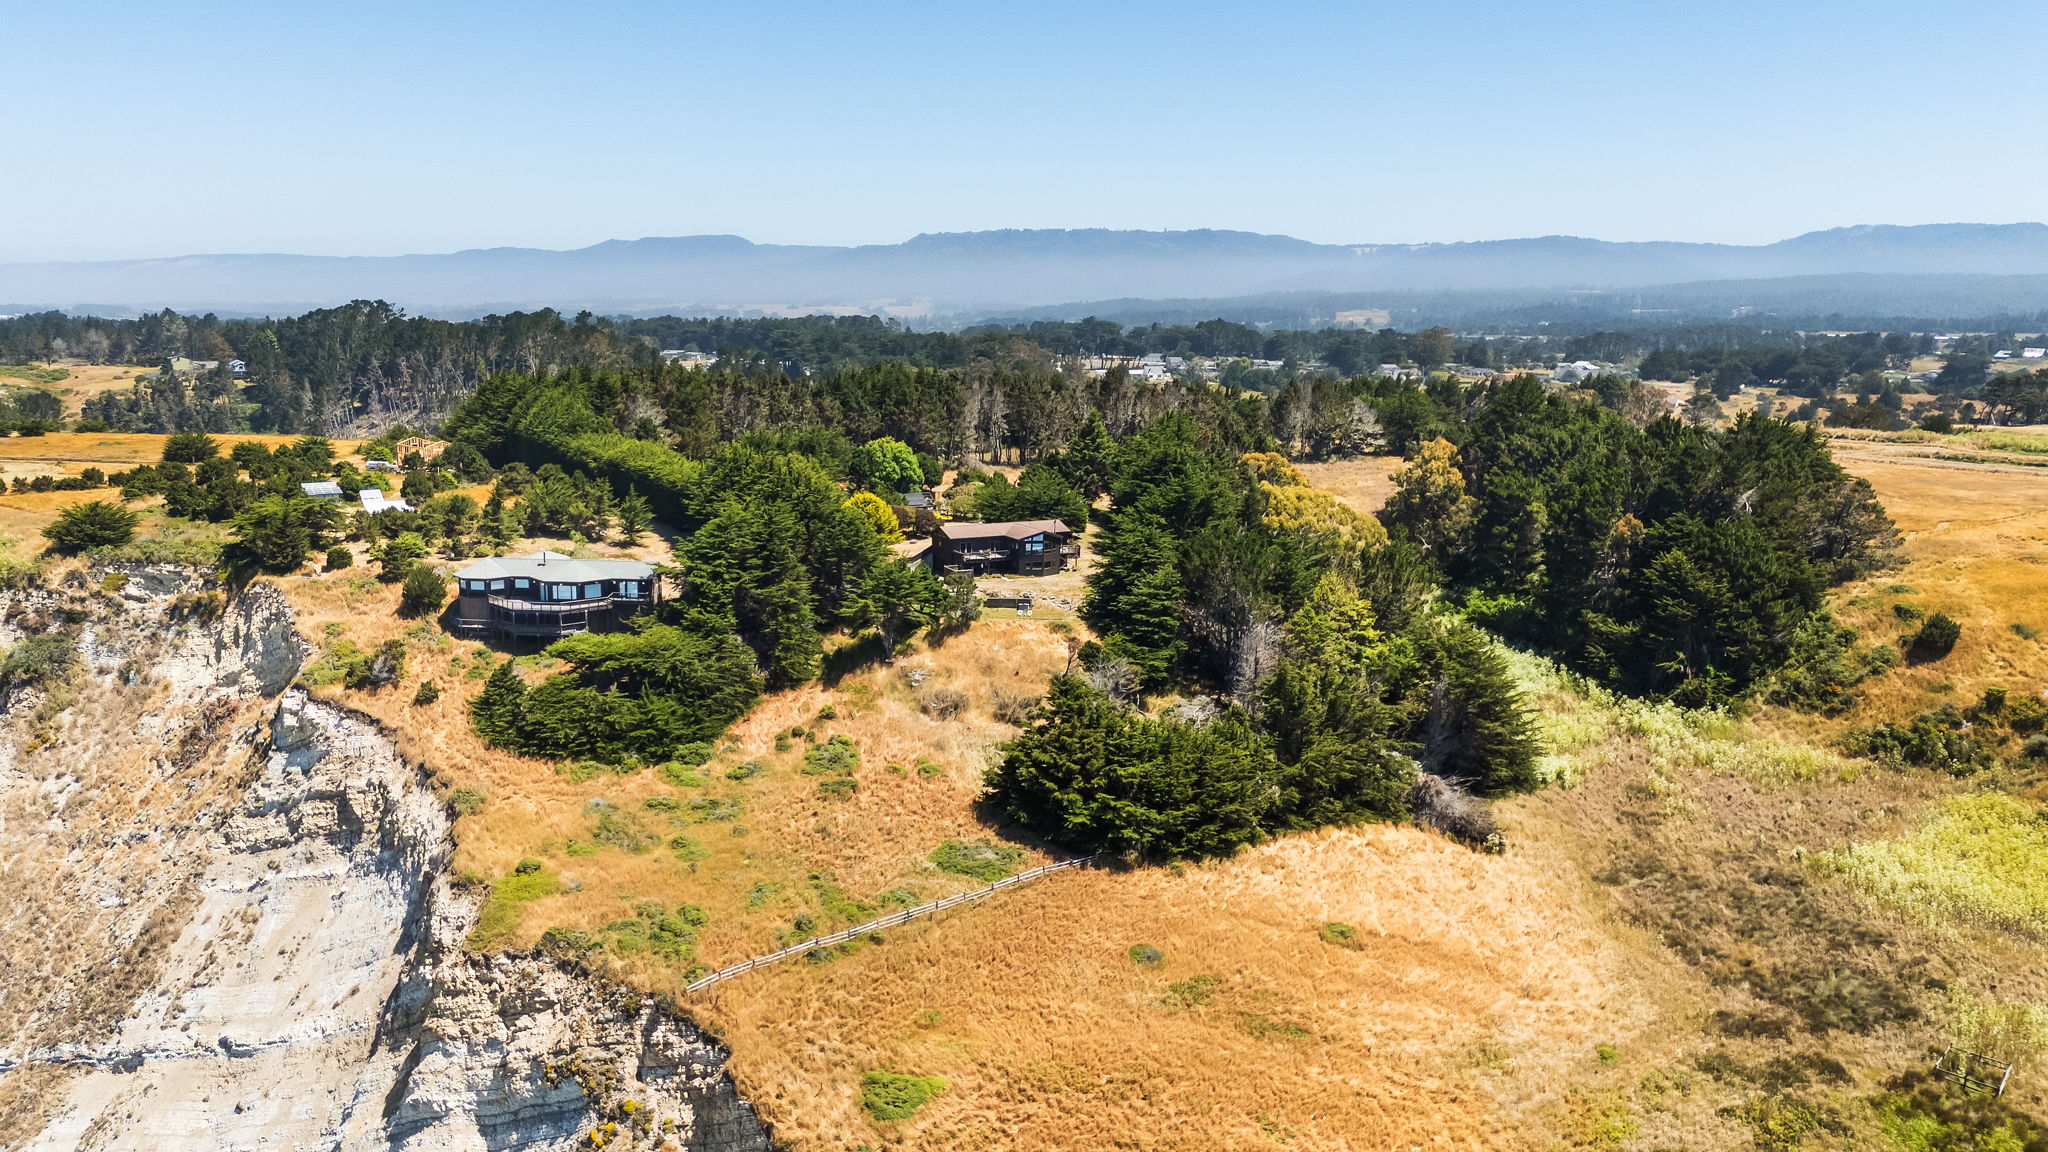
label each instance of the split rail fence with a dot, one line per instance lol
(889, 921)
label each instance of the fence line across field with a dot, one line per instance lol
(889, 921)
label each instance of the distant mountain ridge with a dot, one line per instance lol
(957, 272)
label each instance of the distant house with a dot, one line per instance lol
(2033, 353)
(550, 595)
(420, 446)
(1020, 548)
(239, 368)
(321, 489)
(917, 500)
(374, 501)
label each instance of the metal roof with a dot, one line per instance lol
(326, 489)
(1014, 529)
(555, 566)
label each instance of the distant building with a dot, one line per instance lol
(1020, 548)
(420, 446)
(239, 368)
(2033, 353)
(321, 489)
(374, 501)
(550, 595)
(381, 466)
(917, 500)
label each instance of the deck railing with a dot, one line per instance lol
(889, 921)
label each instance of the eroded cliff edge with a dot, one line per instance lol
(229, 923)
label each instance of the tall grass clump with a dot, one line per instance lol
(1984, 857)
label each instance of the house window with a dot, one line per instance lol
(592, 591)
(630, 588)
(1034, 545)
(497, 585)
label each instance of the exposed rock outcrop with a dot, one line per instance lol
(304, 983)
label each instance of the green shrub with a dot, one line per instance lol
(499, 917)
(891, 1096)
(687, 849)
(836, 757)
(1935, 639)
(696, 753)
(41, 660)
(1145, 954)
(340, 556)
(1607, 1053)
(1907, 612)
(707, 810)
(1340, 934)
(427, 693)
(838, 788)
(469, 802)
(982, 860)
(927, 769)
(2022, 631)
(828, 712)
(1941, 739)
(745, 770)
(678, 773)
(1823, 666)
(619, 831)
(1193, 992)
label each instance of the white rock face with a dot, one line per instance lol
(316, 994)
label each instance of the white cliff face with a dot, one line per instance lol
(303, 981)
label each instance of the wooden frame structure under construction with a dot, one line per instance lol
(1972, 1071)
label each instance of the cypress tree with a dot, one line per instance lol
(495, 713)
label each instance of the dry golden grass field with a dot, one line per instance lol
(1362, 483)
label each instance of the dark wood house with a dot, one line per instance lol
(549, 595)
(1019, 548)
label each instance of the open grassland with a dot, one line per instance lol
(1975, 548)
(1362, 483)
(112, 450)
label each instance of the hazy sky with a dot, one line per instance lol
(371, 128)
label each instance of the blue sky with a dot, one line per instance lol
(151, 129)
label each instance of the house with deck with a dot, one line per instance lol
(549, 595)
(1017, 548)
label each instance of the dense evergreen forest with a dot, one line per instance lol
(1328, 666)
(363, 368)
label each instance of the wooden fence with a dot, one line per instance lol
(889, 921)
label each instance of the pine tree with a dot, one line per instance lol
(1479, 731)
(634, 517)
(93, 524)
(495, 713)
(1089, 463)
